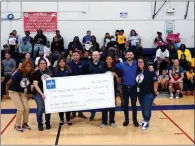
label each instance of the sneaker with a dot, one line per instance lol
(125, 123)
(92, 117)
(48, 126)
(145, 126)
(171, 96)
(61, 122)
(176, 96)
(69, 123)
(25, 126)
(136, 124)
(112, 125)
(82, 116)
(18, 128)
(40, 127)
(141, 123)
(102, 126)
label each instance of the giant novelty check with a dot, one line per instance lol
(76, 93)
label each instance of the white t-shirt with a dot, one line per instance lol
(37, 59)
(46, 51)
(161, 54)
(12, 41)
(134, 40)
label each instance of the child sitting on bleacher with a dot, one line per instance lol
(163, 81)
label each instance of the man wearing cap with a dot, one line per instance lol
(129, 70)
(24, 47)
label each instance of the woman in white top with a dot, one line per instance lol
(134, 39)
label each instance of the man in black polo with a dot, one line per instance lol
(95, 67)
(77, 68)
(129, 70)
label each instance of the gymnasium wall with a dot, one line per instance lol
(75, 18)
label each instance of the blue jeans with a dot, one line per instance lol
(36, 49)
(41, 109)
(146, 105)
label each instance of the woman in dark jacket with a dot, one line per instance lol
(110, 67)
(63, 70)
(75, 45)
(147, 86)
(184, 63)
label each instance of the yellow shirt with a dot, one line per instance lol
(187, 53)
(193, 62)
(121, 39)
(190, 76)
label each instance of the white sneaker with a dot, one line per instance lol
(176, 96)
(171, 96)
(141, 123)
(145, 125)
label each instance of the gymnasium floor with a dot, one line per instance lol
(172, 122)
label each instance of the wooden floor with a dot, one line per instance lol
(166, 127)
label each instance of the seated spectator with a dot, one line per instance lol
(9, 64)
(2, 82)
(69, 57)
(172, 53)
(47, 49)
(158, 41)
(59, 37)
(57, 46)
(134, 39)
(107, 39)
(163, 81)
(162, 58)
(193, 62)
(5, 49)
(24, 47)
(75, 45)
(28, 37)
(184, 50)
(27, 58)
(184, 63)
(189, 81)
(87, 38)
(117, 59)
(176, 68)
(40, 41)
(174, 86)
(41, 55)
(86, 56)
(95, 45)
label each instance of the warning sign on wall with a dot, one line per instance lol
(46, 21)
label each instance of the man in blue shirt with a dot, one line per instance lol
(77, 68)
(129, 70)
(95, 67)
(87, 38)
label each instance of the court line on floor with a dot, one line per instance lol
(174, 123)
(8, 124)
(58, 134)
(154, 108)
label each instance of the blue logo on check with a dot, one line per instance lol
(50, 84)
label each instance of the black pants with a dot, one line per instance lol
(111, 112)
(74, 113)
(122, 50)
(61, 115)
(131, 92)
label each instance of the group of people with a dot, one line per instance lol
(133, 76)
(28, 62)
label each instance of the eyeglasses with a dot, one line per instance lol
(42, 63)
(140, 62)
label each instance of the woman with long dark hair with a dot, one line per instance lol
(63, 70)
(116, 73)
(147, 86)
(41, 74)
(17, 87)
